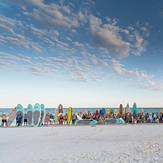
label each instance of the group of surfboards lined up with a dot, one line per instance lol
(34, 116)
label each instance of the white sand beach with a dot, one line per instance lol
(83, 144)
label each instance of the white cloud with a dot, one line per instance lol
(53, 14)
(143, 80)
(80, 69)
(117, 40)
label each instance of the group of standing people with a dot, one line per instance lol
(127, 115)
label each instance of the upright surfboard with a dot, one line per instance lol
(29, 115)
(69, 115)
(107, 111)
(134, 110)
(127, 109)
(36, 114)
(0, 119)
(12, 116)
(121, 110)
(56, 117)
(42, 115)
(20, 113)
(47, 118)
(60, 108)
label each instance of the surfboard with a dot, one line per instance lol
(102, 112)
(20, 112)
(42, 115)
(60, 108)
(29, 115)
(69, 115)
(107, 111)
(56, 117)
(0, 119)
(134, 110)
(121, 109)
(12, 116)
(36, 114)
(47, 119)
(110, 121)
(84, 122)
(93, 123)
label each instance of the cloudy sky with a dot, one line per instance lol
(81, 53)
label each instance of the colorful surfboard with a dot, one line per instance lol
(127, 109)
(134, 109)
(56, 117)
(107, 110)
(42, 115)
(47, 119)
(12, 116)
(69, 115)
(60, 108)
(0, 119)
(36, 114)
(84, 122)
(29, 115)
(20, 113)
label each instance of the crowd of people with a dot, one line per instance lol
(101, 116)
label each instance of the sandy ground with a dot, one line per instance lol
(82, 144)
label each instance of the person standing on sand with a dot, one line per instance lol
(74, 119)
(61, 119)
(25, 119)
(65, 119)
(4, 120)
(19, 119)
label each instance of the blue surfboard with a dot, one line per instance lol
(29, 115)
(36, 114)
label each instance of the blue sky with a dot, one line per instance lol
(81, 53)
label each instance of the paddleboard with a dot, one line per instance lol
(127, 109)
(134, 110)
(29, 115)
(42, 115)
(56, 117)
(47, 119)
(93, 123)
(69, 115)
(0, 119)
(121, 109)
(12, 116)
(107, 111)
(36, 114)
(60, 108)
(84, 122)
(20, 112)
(102, 112)
(110, 121)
